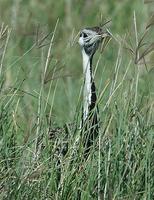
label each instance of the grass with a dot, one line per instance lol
(41, 89)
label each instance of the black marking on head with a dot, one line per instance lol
(84, 35)
(90, 49)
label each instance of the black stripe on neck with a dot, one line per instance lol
(93, 88)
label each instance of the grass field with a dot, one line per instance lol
(41, 88)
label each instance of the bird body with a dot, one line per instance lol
(89, 40)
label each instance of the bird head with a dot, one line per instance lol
(90, 38)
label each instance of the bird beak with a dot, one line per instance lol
(106, 34)
(106, 37)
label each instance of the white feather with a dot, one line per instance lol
(87, 84)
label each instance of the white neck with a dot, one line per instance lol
(87, 84)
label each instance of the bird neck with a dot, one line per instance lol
(89, 91)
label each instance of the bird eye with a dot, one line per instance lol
(85, 35)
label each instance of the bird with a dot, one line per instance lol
(89, 41)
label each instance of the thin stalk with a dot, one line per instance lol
(38, 136)
(137, 75)
(4, 52)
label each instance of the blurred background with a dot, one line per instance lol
(31, 26)
(41, 83)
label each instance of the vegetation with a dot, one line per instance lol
(41, 89)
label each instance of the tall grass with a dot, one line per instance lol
(41, 89)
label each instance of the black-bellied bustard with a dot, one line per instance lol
(89, 40)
